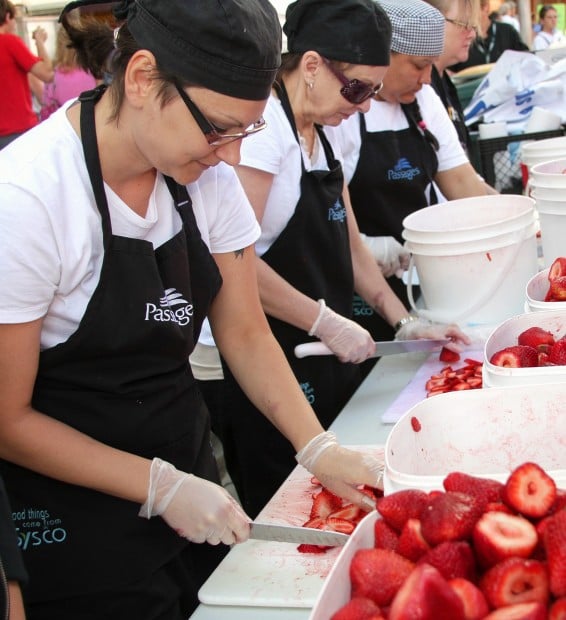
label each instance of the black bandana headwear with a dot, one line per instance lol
(230, 46)
(353, 31)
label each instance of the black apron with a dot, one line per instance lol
(124, 379)
(394, 169)
(313, 254)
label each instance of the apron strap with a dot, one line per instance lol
(88, 100)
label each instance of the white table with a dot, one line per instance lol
(359, 423)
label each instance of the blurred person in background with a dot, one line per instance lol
(402, 149)
(310, 257)
(16, 61)
(493, 38)
(548, 35)
(69, 80)
(461, 18)
(508, 14)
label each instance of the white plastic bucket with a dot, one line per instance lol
(480, 432)
(550, 173)
(506, 334)
(473, 258)
(552, 220)
(535, 292)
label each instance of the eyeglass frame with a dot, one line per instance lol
(211, 132)
(346, 83)
(462, 25)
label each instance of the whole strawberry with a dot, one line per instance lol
(557, 353)
(398, 507)
(485, 489)
(555, 545)
(358, 609)
(535, 337)
(450, 516)
(557, 269)
(557, 288)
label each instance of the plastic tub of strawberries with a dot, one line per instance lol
(526, 349)
(547, 289)
(477, 549)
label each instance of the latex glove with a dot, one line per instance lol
(195, 508)
(341, 470)
(346, 339)
(421, 328)
(391, 256)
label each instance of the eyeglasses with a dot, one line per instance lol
(213, 134)
(462, 25)
(354, 91)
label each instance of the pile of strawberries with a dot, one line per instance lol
(480, 549)
(557, 281)
(453, 379)
(330, 512)
(535, 347)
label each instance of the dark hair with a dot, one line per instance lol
(103, 48)
(413, 112)
(544, 10)
(290, 61)
(7, 9)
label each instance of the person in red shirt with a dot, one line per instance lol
(16, 61)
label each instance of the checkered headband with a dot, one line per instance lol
(418, 28)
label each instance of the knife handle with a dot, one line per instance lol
(312, 348)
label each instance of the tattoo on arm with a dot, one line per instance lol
(239, 253)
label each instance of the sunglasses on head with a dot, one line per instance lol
(354, 91)
(214, 135)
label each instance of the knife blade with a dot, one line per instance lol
(387, 347)
(297, 535)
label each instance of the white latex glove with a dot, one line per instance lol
(195, 508)
(341, 470)
(346, 339)
(390, 255)
(421, 328)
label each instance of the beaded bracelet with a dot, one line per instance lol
(406, 319)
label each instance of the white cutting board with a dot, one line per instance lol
(258, 573)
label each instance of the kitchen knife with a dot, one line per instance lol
(297, 535)
(387, 347)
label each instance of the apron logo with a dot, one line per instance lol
(337, 213)
(308, 391)
(36, 527)
(361, 308)
(403, 170)
(168, 312)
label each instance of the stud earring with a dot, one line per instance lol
(311, 85)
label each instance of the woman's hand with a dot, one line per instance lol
(420, 328)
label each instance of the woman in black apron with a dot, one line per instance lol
(395, 166)
(316, 259)
(109, 416)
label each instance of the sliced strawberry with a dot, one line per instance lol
(529, 490)
(498, 536)
(306, 548)
(557, 353)
(450, 516)
(324, 503)
(558, 288)
(557, 610)
(385, 536)
(426, 595)
(535, 337)
(555, 546)
(448, 356)
(475, 605)
(522, 611)
(452, 559)
(557, 269)
(515, 580)
(412, 545)
(316, 523)
(378, 574)
(350, 512)
(335, 524)
(358, 609)
(517, 356)
(398, 507)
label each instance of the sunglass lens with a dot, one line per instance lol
(357, 92)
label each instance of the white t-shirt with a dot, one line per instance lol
(51, 247)
(276, 150)
(384, 116)
(546, 39)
